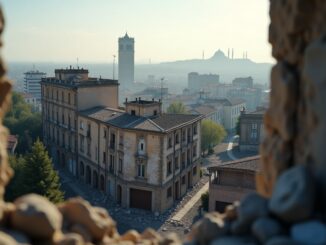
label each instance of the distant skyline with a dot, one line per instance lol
(61, 31)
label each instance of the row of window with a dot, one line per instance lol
(184, 161)
(183, 182)
(60, 137)
(55, 96)
(183, 136)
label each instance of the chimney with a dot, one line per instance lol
(139, 98)
(136, 99)
(126, 99)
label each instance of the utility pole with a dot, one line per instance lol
(162, 79)
(113, 69)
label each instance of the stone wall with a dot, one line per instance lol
(295, 123)
(293, 157)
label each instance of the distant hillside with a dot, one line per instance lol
(227, 68)
(175, 73)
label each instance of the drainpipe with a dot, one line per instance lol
(98, 155)
(173, 172)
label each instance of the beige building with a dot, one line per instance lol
(226, 111)
(63, 95)
(142, 158)
(139, 156)
(231, 181)
(251, 130)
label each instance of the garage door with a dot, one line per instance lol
(140, 199)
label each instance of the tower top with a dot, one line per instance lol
(126, 35)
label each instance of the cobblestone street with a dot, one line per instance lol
(128, 218)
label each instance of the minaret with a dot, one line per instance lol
(126, 61)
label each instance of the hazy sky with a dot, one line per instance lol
(61, 30)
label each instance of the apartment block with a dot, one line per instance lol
(139, 156)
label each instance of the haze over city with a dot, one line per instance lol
(61, 31)
(162, 122)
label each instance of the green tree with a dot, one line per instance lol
(237, 126)
(41, 178)
(16, 186)
(211, 135)
(23, 122)
(205, 200)
(177, 108)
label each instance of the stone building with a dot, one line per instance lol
(231, 181)
(63, 96)
(141, 157)
(214, 113)
(231, 109)
(251, 130)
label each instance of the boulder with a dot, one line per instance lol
(208, 228)
(253, 206)
(70, 239)
(310, 232)
(131, 235)
(234, 240)
(95, 220)
(265, 228)
(36, 217)
(293, 197)
(5, 239)
(281, 240)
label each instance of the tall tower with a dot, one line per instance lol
(126, 61)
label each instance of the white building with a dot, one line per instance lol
(32, 84)
(33, 101)
(126, 61)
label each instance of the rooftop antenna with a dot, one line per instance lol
(113, 69)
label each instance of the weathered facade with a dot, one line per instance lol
(251, 130)
(123, 153)
(140, 157)
(70, 91)
(231, 182)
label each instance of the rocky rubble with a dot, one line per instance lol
(289, 216)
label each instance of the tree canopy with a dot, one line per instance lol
(177, 108)
(34, 174)
(211, 134)
(22, 121)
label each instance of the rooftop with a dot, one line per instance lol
(227, 102)
(248, 163)
(139, 101)
(161, 123)
(203, 109)
(76, 83)
(34, 72)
